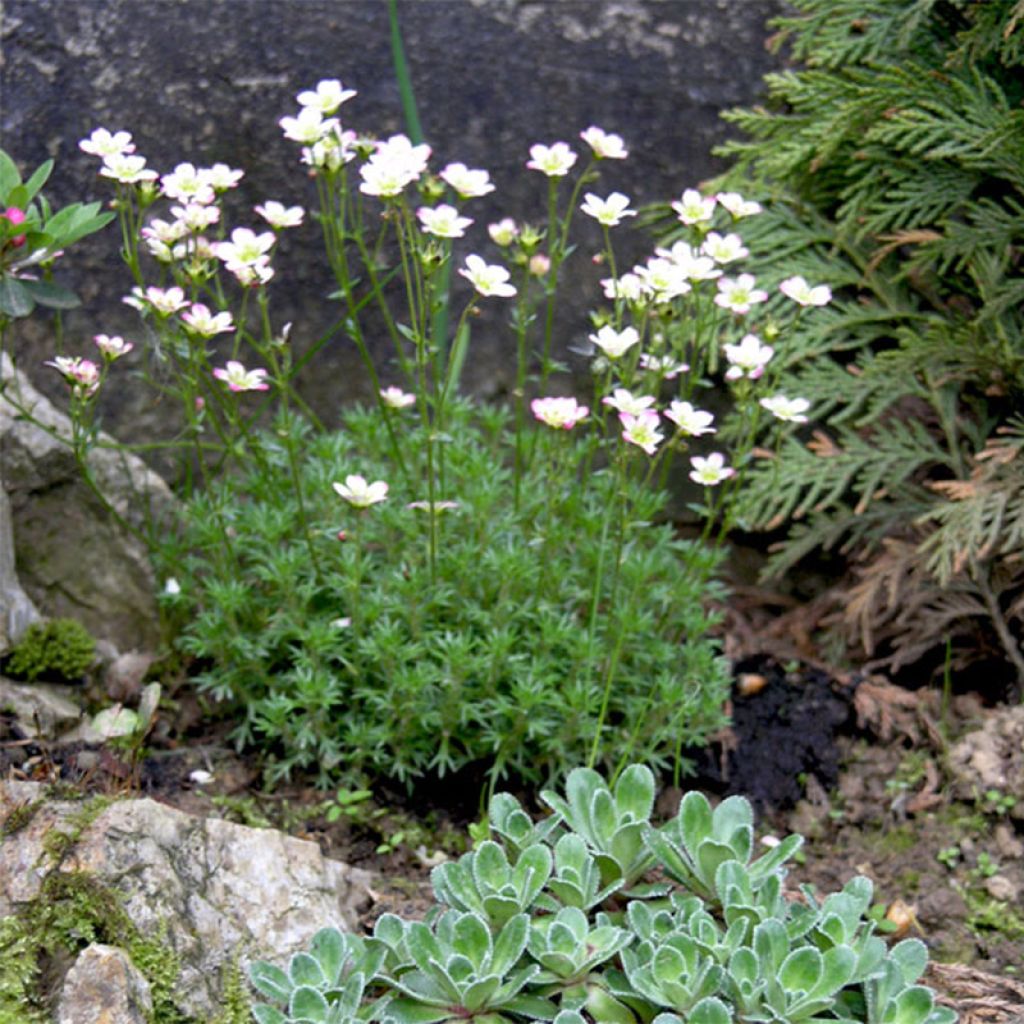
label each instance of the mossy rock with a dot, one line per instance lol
(60, 650)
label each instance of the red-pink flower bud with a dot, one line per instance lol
(15, 216)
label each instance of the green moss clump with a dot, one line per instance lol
(60, 649)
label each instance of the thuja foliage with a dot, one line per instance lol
(559, 922)
(893, 159)
(345, 650)
(60, 650)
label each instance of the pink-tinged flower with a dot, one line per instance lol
(692, 422)
(629, 287)
(127, 169)
(326, 97)
(622, 400)
(163, 301)
(693, 208)
(791, 410)
(710, 471)
(252, 275)
(195, 216)
(238, 378)
(737, 205)
(437, 506)
(739, 294)
(309, 127)
(608, 212)
(220, 177)
(470, 184)
(202, 322)
(724, 249)
(604, 145)
(187, 185)
(691, 264)
(504, 232)
(14, 217)
(487, 279)
(797, 289)
(112, 346)
(613, 343)
(748, 358)
(279, 216)
(82, 374)
(443, 221)
(360, 494)
(662, 279)
(246, 248)
(555, 160)
(103, 143)
(164, 231)
(396, 398)
(642, 430)
(539, 264)
(560, 413)
(664, 366)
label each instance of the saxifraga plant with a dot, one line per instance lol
(503, 944)
(892, 160)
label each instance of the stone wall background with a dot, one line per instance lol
(207, 80)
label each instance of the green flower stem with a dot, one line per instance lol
(522, 326)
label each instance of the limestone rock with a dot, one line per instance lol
(73, 558)
(104, 987)
(992, 758)
(216, 890)
(17, 612)
(42, 710)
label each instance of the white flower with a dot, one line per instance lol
(220, 177)
(608, 212)
(663, 279)
(103, 143)
(692, 265)
(555, 160)
(187, 185)
(739, 294)
(470, 184)
(503, 233)
(615, 343)
(791, 410)
(164, 301)
(724, 249)
(360, 494)
(200, 777)
(278, 216)
(238, 378)
(327, 97)
(395, 164)
(560, 413)
(443, 221)
(252, 275)
(710, 471)
(642, 430)
(692, 422)
(487, 279)
(797, 289)
(172, 587)
(330, 152)
(629, 287)
(664, 366)
(396, 398)
(622, 400)
(604, 145)
(206, 324)
(82, 374)
(309, 127)
(748, 358)
(127, 169)
(167, 232)
(246, 248)
(737, 205)
(693, 208)
(195, 216)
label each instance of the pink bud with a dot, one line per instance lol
(539, 265)
(15, 216)
(342, 536)
(200, 403)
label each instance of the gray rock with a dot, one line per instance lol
(104, 986)
(216, 889)
(17, 612)
(42, 710)
(208, 80)
(73, 558)
(992, 758)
